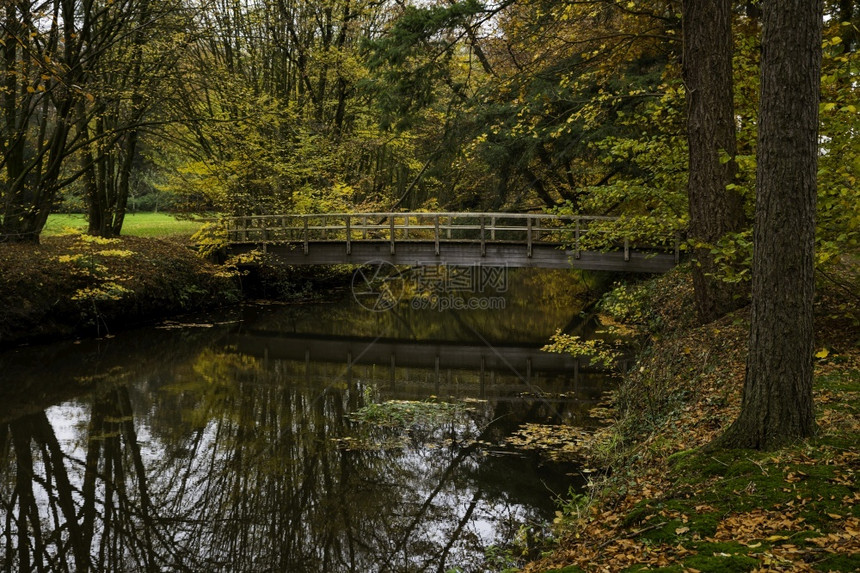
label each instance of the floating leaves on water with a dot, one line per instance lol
(400, 413)
(397, 424)
(560, 443)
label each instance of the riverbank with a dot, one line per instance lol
(663, 503)
(77, 285)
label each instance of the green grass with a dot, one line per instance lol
(137, 225)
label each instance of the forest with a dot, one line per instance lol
(260, 106)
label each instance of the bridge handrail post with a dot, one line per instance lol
(529, 237)
(493, 228)
(391, 230)
(576, 250)
(483, 243)
(436, 233)
(348, 237)
(305, 233)
(626, 249)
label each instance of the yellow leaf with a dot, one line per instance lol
(773, 538)
(834, 516)
(823, 353)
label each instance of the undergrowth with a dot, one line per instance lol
(662, 502)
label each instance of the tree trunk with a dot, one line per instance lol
(846, 15)
(777, 401)
(714, 210)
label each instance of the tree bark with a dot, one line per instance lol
(714, 210)
(777, 401)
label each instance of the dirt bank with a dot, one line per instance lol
(75, 285)
(663, 502)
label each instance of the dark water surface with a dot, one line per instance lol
(233, 444)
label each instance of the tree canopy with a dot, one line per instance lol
(259, 106)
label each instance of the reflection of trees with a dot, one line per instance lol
(535, 301)
(233, 467)
(31, 543)
(272, 492)
(71, 513)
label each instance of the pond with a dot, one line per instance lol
(298, 437)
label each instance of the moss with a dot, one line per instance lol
(720, 562)
(839, 562)
(665, 533)
(705, 524)
(841, 380)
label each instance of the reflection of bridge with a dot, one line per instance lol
(490, 239)
(504, 367)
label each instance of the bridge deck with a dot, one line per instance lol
(489, 239)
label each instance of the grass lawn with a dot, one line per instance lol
(136, 225)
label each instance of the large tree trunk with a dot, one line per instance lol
(714, 210)
(777, 401)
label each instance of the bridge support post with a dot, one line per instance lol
(576, 249)
(626, 249)
(436, 233)
(391, 230)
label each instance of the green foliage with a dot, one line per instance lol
(838, 216)
(733, 256)
(625, 302)
(87, 262)
(598, 351)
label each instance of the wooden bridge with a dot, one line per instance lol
(427, 239)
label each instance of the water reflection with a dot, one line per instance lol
(227, 448)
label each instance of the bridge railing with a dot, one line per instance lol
(577, 231)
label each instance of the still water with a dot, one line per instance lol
(243, 442)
